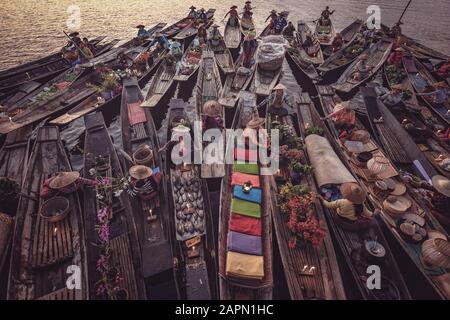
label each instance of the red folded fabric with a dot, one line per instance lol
(136, 113)
(238, 178)
(245, 155)
(247, 225)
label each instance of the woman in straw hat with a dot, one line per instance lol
(343, 116)
(396, 56)
(253, 130)
(440, 98)
(351, 210)
(394, 96)
(192, 13)
(248, 48)
(276, 101)
(144, 182)
(361, 68)
(212, 115)
(63, 182)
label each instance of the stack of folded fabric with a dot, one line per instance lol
(244, 253)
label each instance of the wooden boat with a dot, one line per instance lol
(191, 29)
(151, 216)
(305, 67)
(124, 248)
(343, 58)
(255, 281)
(353, 244)
(317, 57)
(175, 28)
(265, 80)
(348, 35)
(420, 78)
(195, 254)
(42, 62)
(92, 103)
(378, 54)
(13, 163)
(437, 278)
(189, 63)
(45, 71)
(324, 281)
(232, 35)
(325, 34)
(236, 82)
(160, 84)
(420, 49)
(412, 102)
(222, 54)
(208, 88)
(39, 246)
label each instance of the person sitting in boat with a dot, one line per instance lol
(251, 133)
(202, 35)
(201, 15)
(160, 40)
(344, 118)
(276, 101)
(337, 42)
(176, 50)
(248, 7)
(396, 30)
(444, 69)
(73, 42)
(170, 60)
(179, 131)
(145, 183)
(192, 13)
(63, 182)
(234, 16)
(361, 68)
(440, 98)
(396, 57)
(249, 47)
(393, 97)
(351, 212)
(215, 33)
(142, 33)
(325, 17)
(212, 115)
(280, 23)
(289, 30)
(308, 44)
(85, 54)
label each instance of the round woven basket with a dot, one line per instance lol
(55, 209)
(143, 156)
(436, 252)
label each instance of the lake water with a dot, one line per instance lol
(31, 29)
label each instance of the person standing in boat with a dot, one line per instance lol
(280, 22)
(249, 47)
(344, 118)
(273, 17)
(202, 17)
(440, 98)
(289, 30)
(351, 212)
(160, 40)
(308, 44)
(325, 17)
(337, 42)
(142, 33)
(192, 13)
(248, 7)
(202, 35)
(234, 16)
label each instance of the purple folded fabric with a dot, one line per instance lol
(244, 243)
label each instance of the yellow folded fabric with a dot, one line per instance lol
(245, 266)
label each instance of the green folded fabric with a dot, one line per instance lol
(248, 168)
(245, 208)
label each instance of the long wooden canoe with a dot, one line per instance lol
(352, 243)
(192, 28)
(124, 247)
(176, 27)
(348, 34)
(151, 216)
(325, 34)
(324, 281)
(294, 55)
(420, 49)
(265, 80)
(189, 63)
(232, 35)
(236, 82)
(193, 244)
(302, 30)
(41, 247)
(222, 55)
(437, 278)
(208, 88)
(244, 276)
(378, 54)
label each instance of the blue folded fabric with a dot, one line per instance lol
(244, 243)
(253, 196)
(156, 170)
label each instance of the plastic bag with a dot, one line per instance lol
(271, 52)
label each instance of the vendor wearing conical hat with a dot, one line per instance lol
(351, 207)
(396, 57)
(248, 6)
(252, 131)
(63, 182)
(249, 46)
(440, 98)
(144, 181)
(215, 33)
(343, 116)
(361, 68)
(142, 33)
(201, 15)
(272, 16)
(212, 115)
(277, 101)
(234, 16)
(192, 13)
(394, 96)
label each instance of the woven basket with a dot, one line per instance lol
(436, 252)
(143, 156)
(54, 204)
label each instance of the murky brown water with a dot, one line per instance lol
(31, 29)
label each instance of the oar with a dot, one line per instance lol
(76, 46)
(404, 11)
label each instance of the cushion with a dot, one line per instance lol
(136, 114)
(249, 168)
(244, 266)
(247, 225)
(245, 155)
(244, 243)
(245, 208)
(253, 196)
(238, 178)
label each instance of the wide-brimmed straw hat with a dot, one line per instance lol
(212, 108)
(202, 9)
(140, 26)
(192, 7)
(397, 204)
(273, 11)
(63, 179)
(280, 86)
(441, 184)
(233, 7)
(255, 123)
(342, 105)
(247, 2)
(353, 192)
(399, 188)
(140, 172)
(74, 34)
(440, 84)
